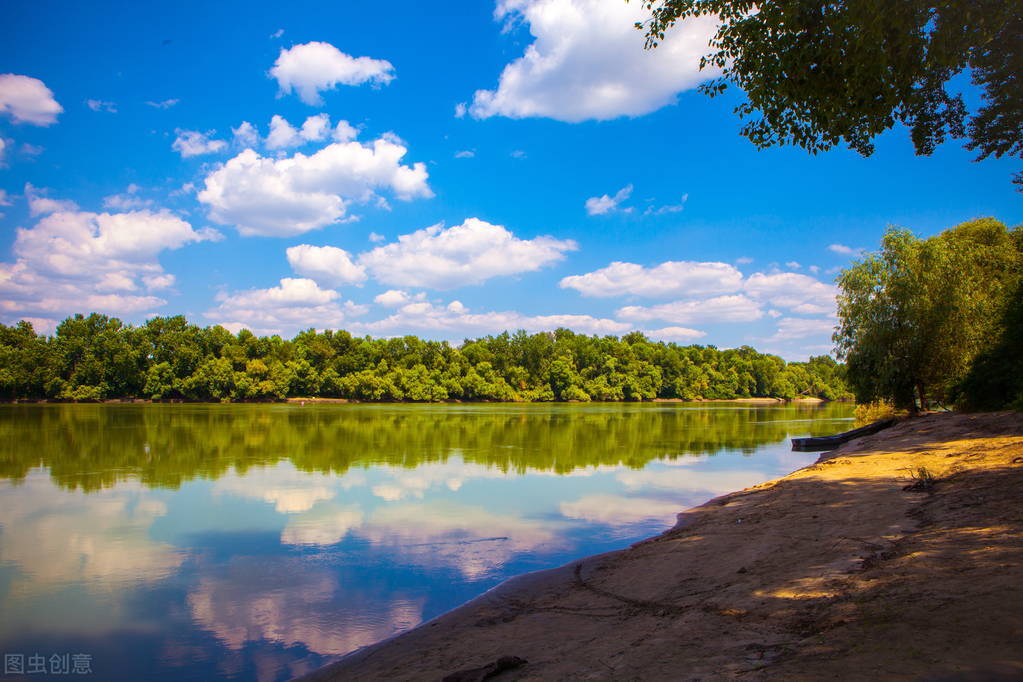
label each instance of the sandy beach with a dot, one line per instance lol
(897, 556)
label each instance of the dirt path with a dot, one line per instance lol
(836, 571)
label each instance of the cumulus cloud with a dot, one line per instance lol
(246, 135)
(73, 260)
(40, 204)
(194, 143)
(675, 334)
(671, 278)
(327, 265)
(734, 308)
(283, 134)
(798, 328)
(392, 298)
(28, 100)
(800, 293)
(296, 303)
(605, 204)
(283, 197)
(311, 68)
(587, 61)
(344, 132)
(455, 319)
(470, 253)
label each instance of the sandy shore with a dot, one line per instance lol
(857, 567)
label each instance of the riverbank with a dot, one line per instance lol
(897, 556)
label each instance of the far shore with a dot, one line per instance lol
(898, 556)
(178, 401)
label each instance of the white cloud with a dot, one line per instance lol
(126, 201)
(344, 132)
(744, 260)
(605, 204)
(374, 237)
(671, 278)
(675, 334)
(72, 260)
(3, 149)
(278, 33)
(193, 143)
(469, 253)
(800, 293)
(814, 269)
(518, 154)
(100, 105)
(465, 154)
(39, 204)
(165, 104)
(793, 265)
(313, 67)
(845, 250)
(798, 328)
(455, 319)
(295, 304)
(461, 109)
(28, 100)
(246, 135)
(5, 200)
(289, 196)
(327, 265)
(588, 62)
(282, 134)
(670, 208)
(735, 308)
(316, 128)
(392, 298)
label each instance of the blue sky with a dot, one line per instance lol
(449, 175)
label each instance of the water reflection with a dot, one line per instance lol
(255, 542)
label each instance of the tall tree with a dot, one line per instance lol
(818, 74)
(914, 316)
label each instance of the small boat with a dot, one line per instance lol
(831, 442)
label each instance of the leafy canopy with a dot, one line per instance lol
(817, 74)
(914, 317)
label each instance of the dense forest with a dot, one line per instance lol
(96, 357)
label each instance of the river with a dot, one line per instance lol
(256, 542)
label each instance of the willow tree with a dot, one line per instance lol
(818, 74)
(914, 316)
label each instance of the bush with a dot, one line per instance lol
(868, 413)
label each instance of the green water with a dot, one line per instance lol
(260, 541)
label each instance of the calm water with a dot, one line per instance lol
(174, 542)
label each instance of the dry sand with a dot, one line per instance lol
(837, 571)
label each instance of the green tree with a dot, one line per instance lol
(817, 74)
(914, 316)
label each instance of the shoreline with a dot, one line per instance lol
(354, 401)
(898, 555)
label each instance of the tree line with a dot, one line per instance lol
(95, 357)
